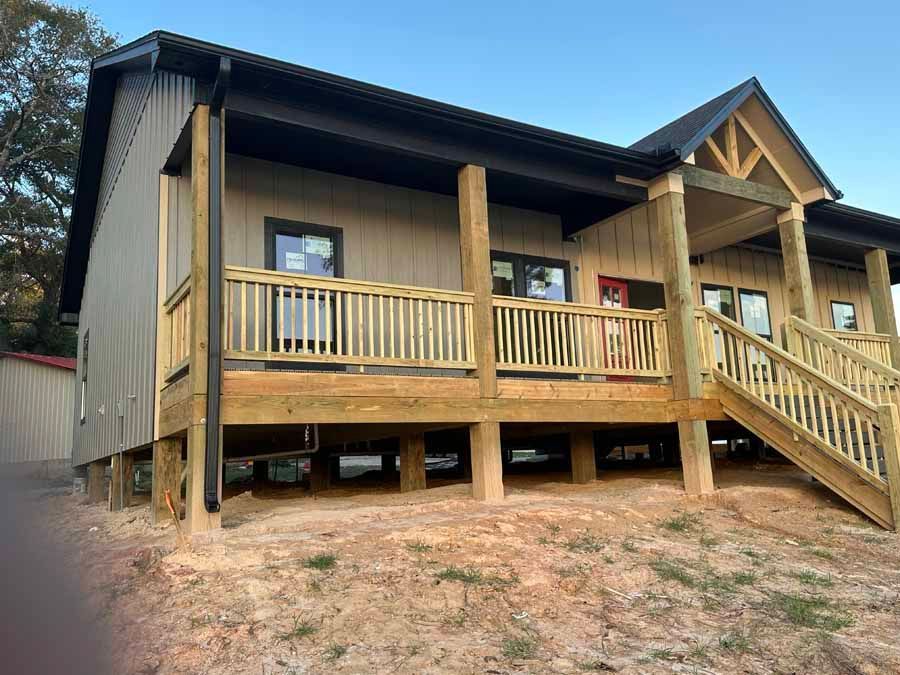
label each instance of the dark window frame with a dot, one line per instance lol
(85, 348)
(520, 260)
(735, 299)
(832, 303)
(756, 291)
(296, 228)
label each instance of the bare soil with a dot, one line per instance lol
(771, 574)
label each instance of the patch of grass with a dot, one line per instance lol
(335, 651)
(823, 553)
(660, 654)
(573, 570)
(458, 620)
(734, 642)
(519, 647)
(467, 575)
(594, 666)
(671, 571)
(300, 629)
(584, 543)
(699, 652)
(813, 578)
(322, 561)
(811, 612)
(744, 578)
(629, 546)
(757, 557)
(708, 541)
(682, 523)
(418, 546)
(713, 583)
(554, 529)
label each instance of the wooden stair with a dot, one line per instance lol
(847, 435)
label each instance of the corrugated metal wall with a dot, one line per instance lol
(36, 403)
(119, 305)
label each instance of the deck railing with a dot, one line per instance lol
(545, 336)
(177, 315)
(874, 345)
(294, 317)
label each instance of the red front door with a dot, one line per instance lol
(616, 351)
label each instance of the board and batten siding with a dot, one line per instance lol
(390, 234)
(625, 247)
(119, 302)
(36, 403)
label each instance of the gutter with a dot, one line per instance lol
(214, 352)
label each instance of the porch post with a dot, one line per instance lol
(475, 258)
(412, 462)
(801, 298)
(166, 476)
(97, 481)
(197, 519)
(121, 481)
(696, 460)
(879, 277)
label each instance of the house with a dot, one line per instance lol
(37, 400)
(268, 259)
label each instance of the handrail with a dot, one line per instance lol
(178, 294)
(561, 337)
(299, 317)
(874, 345)
(808, 402)
(177, 330)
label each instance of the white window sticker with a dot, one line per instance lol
(317, 246)
(294, 261)
(538, 288)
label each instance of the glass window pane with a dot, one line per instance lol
(843, 314)
(503, 277)
(719, 299)
(755, 313)
(545, 282)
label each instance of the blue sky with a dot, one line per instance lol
(609, 71)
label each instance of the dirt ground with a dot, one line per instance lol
(771, 574)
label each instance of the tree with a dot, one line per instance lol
(45, 55)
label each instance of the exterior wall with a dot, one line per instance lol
(36, 403)
(625, 246)
(119, 305)
(391, 234)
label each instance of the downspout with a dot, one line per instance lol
(214, 370)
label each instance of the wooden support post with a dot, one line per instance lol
(97, 481)
(584, 460)
(121, 482)
(260, 470)
(197, 519)
(388, 468)
(487, 468)
(696, 457)
(889, 421)
(319, 467)
(412, 462)
(166, 476)
(475, 258)
(163, 346)
(879, 276)
(801, 298)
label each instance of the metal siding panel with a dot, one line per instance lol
(35, 405)
(119, 306)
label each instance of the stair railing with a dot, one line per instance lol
(826, 413)
(834, 358)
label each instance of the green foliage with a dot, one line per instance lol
(322, 561)
(811, 611)
(45, 54)
(519, 647)
(683, 522)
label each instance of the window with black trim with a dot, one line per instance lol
(719, 299)
(528, 276)
(755, 312)
(84, 373)
(843, 315)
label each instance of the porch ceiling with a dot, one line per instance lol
(578, 205)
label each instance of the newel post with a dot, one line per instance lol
(889, 422)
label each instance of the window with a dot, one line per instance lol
(843, 315)
(528, 276)
(755, 312)
(84, 373)
(303, 248)
(719, 299)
